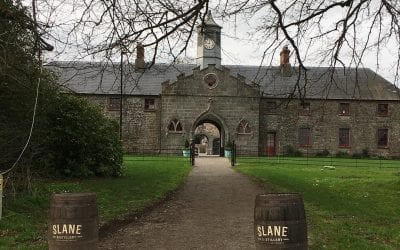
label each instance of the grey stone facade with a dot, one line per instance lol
(255, 106)
(324, 121)
(191, 101)
(140, 127)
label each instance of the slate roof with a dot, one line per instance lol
(209, 20)
(322, 82)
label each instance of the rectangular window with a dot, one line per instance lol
(383, 138)
(344, 137)
(149, 104)
(114, 103)
(305, 109)
(305, 137)
(344, 109)
(271, 107)
(383, 109)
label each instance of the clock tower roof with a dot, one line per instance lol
(209, 20)
(209, 43)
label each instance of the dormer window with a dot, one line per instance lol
(114, 103)
(344, 109)
(305, 109)
(383, 109)
(149, 104)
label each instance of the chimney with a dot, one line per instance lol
(139, 62)
(286, 68)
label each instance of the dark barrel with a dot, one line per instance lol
(280, 221)
(73, 222)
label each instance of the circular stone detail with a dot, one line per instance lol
(211, 80)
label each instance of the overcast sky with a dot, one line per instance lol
(239, 48)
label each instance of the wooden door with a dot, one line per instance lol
(271, 143)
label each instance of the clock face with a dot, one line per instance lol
(209, 43)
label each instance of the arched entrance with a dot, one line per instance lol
(204, 136)
(209, 132)
(201, 140)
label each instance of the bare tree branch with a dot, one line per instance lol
(332, 33)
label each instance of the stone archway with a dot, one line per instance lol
(218, 123)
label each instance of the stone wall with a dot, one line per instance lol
(324, 121)
(225, 111)
(191, 101)
(231, 102)
(141, 128)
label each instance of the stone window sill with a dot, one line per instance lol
(175, 132)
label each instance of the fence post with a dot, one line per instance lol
(233, 153)
(234, 146)
(192, 153)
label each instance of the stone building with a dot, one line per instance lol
(342, 110)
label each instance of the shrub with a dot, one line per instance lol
(79, 140)
(293, 152)
(342, 154)
(363, 154)
(323, 153)
(70, 137)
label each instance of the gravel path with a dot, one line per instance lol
(213, 210)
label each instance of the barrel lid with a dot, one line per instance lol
(87, 197)
(279, 197)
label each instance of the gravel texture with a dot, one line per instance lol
(213, 210)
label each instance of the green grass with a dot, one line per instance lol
(145, 180)
(347, 208)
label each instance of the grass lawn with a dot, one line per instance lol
(145, 180)
(346, 208)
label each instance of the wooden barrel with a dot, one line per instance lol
(280, 221)
(73, 222)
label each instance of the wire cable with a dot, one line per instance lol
(31, 129)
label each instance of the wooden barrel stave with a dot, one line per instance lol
(280, 221)
(73, 221)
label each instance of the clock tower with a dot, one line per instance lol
(209, 43)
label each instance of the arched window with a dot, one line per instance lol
(244, 127)
(175, 126)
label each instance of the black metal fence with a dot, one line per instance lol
(320, 157)
(241, 154)
(329, 161)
